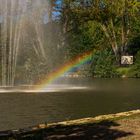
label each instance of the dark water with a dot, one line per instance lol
(90, 98)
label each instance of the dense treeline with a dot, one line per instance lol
(108, 28)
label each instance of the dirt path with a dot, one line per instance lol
(131, 125)
(125, 129)
(122, 126)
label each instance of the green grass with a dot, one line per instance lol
(124, 71)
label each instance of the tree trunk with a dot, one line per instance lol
(112, 40)
(125, 29)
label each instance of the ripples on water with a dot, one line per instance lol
(68, 99)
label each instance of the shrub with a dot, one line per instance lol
(135, 69)
(103, 64)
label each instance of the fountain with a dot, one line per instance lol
(21, 28)
(30, 47)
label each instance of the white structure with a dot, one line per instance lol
(127, 60)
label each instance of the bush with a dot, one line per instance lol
(124, 71)
(135, 69)
(103, 64)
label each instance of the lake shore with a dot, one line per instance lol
(122, 126)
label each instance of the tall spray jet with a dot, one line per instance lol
(17, 17)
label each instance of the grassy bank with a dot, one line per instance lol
(120, 126)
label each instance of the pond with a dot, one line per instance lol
(73, 98)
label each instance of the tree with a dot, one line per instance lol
(115, 19)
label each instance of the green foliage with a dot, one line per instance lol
(76, 27)
(87, 37)
(124, 71)
(135, 69)
(134, 41)
(104, 64)
(81, 28)
(115, 19)
(101, 25)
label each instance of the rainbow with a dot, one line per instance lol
(69, 66)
